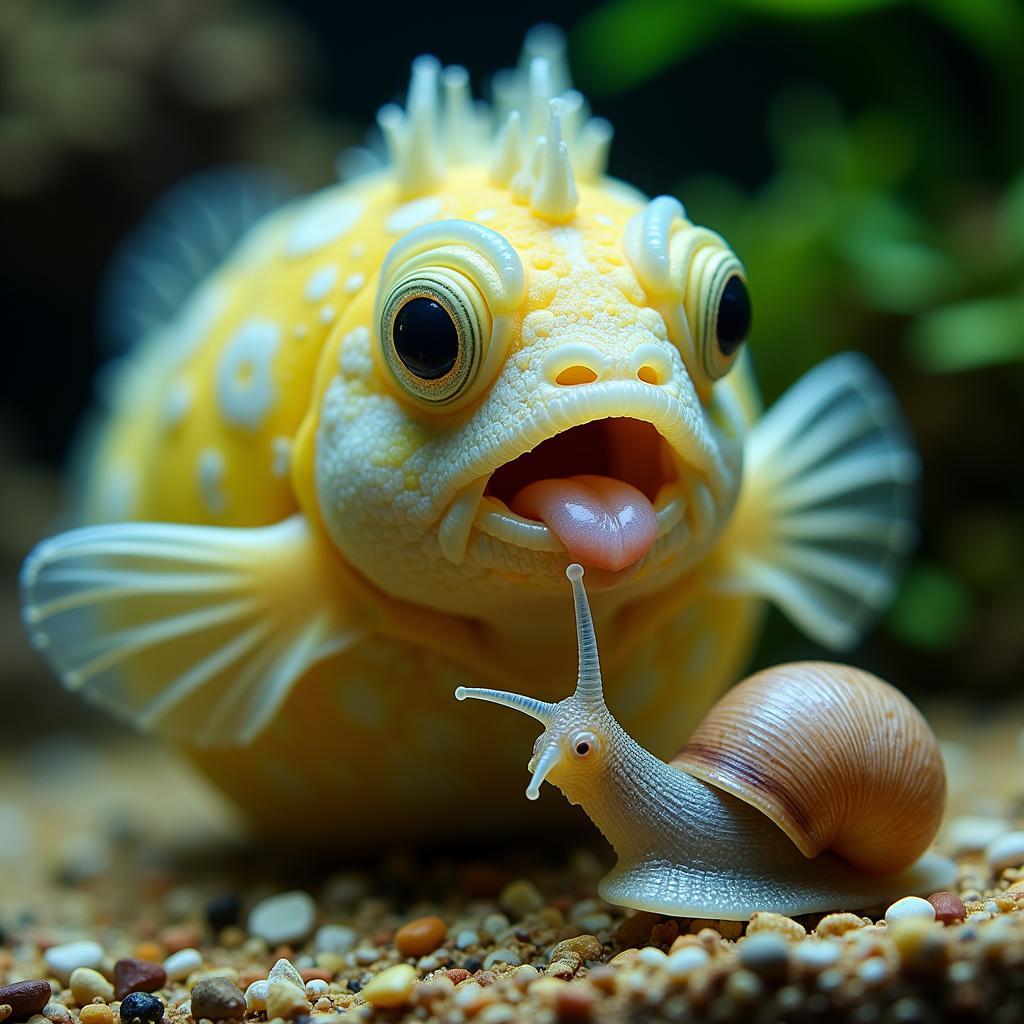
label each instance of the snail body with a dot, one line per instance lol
(809, 787)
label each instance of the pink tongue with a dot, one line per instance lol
(605, 523)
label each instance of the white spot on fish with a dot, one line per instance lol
(354, 355)
(245, 379)
(358, 250)
(322, 221)
(413, 214)
(485, 214)
(300, 330)
(210, 473)
(354, 283)
(321, 282)
(281, 451)
(327, 314)
(177, 403)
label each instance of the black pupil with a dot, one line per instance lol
(425, 338)
(582, 748)
(733, 324)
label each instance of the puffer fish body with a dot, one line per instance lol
(347, 474)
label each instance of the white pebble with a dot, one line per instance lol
(910, 908)
(62, 960)
(288, 917)
(651, 956)
(873, 971)
(502, 956)
(683, 962)
(317, 987)
(466, 938)
(181, 964)
(972, 833)
(256, 996)
(335, 938)
(1007, 851)
(815, 954)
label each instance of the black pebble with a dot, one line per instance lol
(223, 911)
(141, 1006)
(353, 985)
(471, 964)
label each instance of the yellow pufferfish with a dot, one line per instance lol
(348, 473)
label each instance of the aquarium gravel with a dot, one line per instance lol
(126, 894)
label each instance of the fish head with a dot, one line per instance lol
(528, 392)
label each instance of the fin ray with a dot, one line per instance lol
(825, 517)
(196, 632)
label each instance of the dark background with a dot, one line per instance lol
(864, 158)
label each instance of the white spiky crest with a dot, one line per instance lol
(536, 136)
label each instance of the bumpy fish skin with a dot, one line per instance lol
(358, 572)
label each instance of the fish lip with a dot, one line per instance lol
(697, 463)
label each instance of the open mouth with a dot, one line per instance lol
(602, 492)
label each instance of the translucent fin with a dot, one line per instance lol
(825, 517)
(186, 234)
(197, 633)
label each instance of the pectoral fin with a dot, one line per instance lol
(198, 633)
(825, 517)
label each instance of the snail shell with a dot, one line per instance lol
(837, 758)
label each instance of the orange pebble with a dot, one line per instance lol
(316, 974)
(151, 951)
(420, 937)
(180, 936)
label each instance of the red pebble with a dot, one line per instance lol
(948, 907)
(25, 997)
(137, 976)
(457, 974)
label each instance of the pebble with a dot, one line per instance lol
(651, 956)
(908, 908)
(316, 987)
(1006, 851)
(466, 939)
(873, 971)
(256, 996)
(63, 959)
(586, 947)
(284, 970)
(838, 924)
(223, 911)
(217, 999)
(421, 936)
(141, 1006)
(391, 988)
(816, 954)
(96, 1013)
(25, 997)
(766, 921)
(286, 1000)
(574, 1003)
(457, 974)
(335, 938)
(971, 833)
(520, 897)
(137, 976)
(766, 954)
(181, 964)
(288, 917)
(56, 1012)
(87, 984)
(502, 956)
(5, 1011)
(494, 925)
(948, 907)
(683, 962)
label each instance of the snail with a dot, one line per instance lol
(809, 787)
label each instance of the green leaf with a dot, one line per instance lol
(932, 609)
(625, 42)
(969, 335)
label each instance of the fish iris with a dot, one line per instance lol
(425, 338)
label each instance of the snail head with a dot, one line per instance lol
(571, 750)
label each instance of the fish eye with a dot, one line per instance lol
(585, 745)
(725, 314)
(732, 324)
(432, 333)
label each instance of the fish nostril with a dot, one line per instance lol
(649, 374)
(573, 375)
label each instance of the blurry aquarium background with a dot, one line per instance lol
(865, 158)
